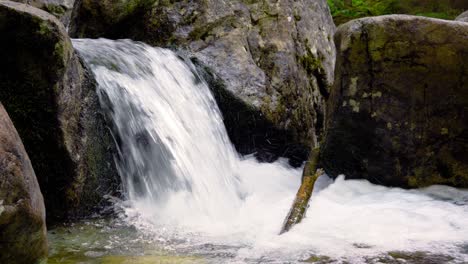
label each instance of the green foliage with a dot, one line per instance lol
(343, 12)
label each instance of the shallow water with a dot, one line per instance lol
(347, 222)
(190, 198)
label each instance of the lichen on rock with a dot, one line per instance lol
(398, 108)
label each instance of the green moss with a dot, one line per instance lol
(309, 177)
(318, 259)
(310, 63)
(419, 257)
(201, 32)
(55, 10)
(44, 28)
(342, 13)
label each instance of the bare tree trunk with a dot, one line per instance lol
(299, 207)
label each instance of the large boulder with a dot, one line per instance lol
(52, 101)
(398, 111)
(22, 214)
(62, 9)
(270, 63)
(463, 17)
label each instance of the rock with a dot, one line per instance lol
(398, 111)
(270, 63)
(51, 99)
(62, 9)
(463, 17)
(23, 237)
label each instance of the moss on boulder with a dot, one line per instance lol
(398, 109)
(445, 9)
(51, 99)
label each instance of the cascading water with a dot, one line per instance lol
(185, 183)
(176, 149)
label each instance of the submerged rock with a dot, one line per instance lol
(22, 214)
(463, 17)
(51, 99)
(270, 63)
(398, 111)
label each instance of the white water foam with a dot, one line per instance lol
(186, 184)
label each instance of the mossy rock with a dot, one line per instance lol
(443, 9)
(52, 101)
(398, 109)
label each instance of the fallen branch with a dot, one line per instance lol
(299, 207)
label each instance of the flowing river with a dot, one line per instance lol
(190, 198)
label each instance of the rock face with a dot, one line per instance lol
(398, 111)
(51, 99)
(270, 63)
(22, 214)
(463, 17)
(62, 9)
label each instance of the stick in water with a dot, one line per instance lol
(299, 207)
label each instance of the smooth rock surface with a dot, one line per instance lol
(271, 62)
(398, 111)
(23, 236)
(51, 99)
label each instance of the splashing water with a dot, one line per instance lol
(186, 185)
(175, 149)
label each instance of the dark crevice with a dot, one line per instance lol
(248, 129)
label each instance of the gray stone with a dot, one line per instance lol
(23, 236)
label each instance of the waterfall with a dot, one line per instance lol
(172, 135)
(185, 183)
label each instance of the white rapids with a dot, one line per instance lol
(185, 183)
